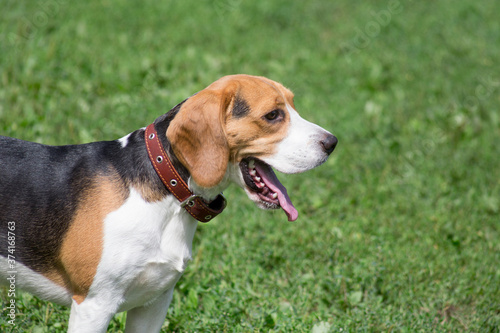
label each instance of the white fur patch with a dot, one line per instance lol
(124, 140)
(33, 282)
(301, 149)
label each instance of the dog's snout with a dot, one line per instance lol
(329, 142)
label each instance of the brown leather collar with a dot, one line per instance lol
(194, 205)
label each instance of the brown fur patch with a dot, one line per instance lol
(147, 192)
(78, 298)
(82, 245)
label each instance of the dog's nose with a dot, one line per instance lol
(329, 142)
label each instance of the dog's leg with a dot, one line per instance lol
(150, 317)
(90, 316)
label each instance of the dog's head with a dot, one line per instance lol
(239, 128)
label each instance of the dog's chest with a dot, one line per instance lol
(154, 279)
(146, 249)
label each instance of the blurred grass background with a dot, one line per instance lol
(397, 232)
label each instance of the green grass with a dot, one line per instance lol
(397, 232)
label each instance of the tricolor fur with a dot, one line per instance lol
(96, 229)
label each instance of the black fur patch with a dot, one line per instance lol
(240, 107)
(40, 189)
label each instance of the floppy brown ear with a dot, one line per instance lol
(197, 136)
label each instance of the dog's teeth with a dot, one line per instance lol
(253, 172)
(262, 184)
(257, 179)
(251, 164)
(274, 195)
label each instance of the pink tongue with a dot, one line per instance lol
(270, 179)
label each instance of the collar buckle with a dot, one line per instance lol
(189, 201)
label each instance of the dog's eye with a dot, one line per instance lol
(274, 115)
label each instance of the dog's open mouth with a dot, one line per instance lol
(261, 181)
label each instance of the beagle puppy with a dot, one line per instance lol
(102, 228)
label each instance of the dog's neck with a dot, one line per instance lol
(211, 203)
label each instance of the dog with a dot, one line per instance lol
(107, 226)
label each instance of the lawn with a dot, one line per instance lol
(399, 231)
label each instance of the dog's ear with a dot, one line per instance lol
(198, 137)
